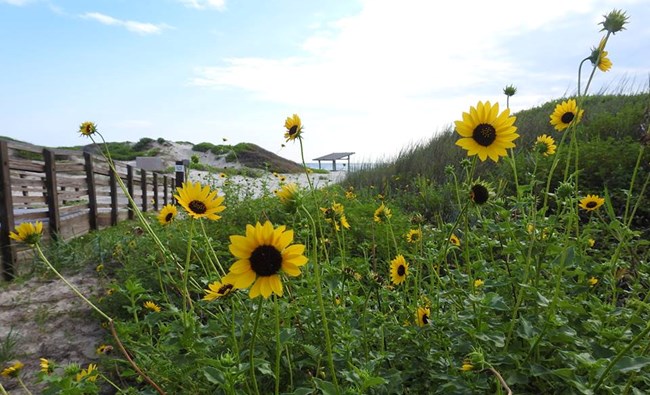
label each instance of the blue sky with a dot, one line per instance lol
(366, 76)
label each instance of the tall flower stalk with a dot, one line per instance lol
(294, 132)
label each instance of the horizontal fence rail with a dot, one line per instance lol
(71, 192)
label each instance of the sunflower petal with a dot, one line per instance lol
(276, 284)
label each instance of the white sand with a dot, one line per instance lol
(256, 187)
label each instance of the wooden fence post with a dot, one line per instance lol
(92, 193)
(129, 188)
(112, 175)
(143, 186)
(52, 193)
(155, 191)
(7, 224)
(165, 199)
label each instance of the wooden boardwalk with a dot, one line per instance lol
(71, 192)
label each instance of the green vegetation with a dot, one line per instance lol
(437, 272)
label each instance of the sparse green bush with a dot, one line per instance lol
(202, 147)
(143, 144)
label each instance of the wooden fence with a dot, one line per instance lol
(70, 192)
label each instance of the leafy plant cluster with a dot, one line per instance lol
(528, 275)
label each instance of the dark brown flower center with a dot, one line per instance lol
(425, 319)
(266, 260)
(567, 117)
(169, 217)
(293, 130)
(484, 134)
(591, 204)
(401, 270)
(225, 289)
(479, 194)
(197, 207)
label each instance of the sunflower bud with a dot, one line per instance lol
(614, 21)
(509, 90)
(564, 190)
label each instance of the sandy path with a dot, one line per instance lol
(47, 320)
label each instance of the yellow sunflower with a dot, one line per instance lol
(565, 115)
(46, 367)
(287, 194)
(294, 127)
(591, 202)
(453, 239)
(545, 145)
(13, 370)
(414, 236)
(149, 305)
(485, 132)
(604, 63)
(478, 283)
(28, 232)
(167, 214)
(89, 374)
(423, 316)
(217, 290)
(467, 366)
(398, 270)
(592, 281)
(261, 255)
(200, 202)
(104, 349)
(87, 129)
(382, 214)
(335, 215)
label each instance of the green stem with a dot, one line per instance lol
(72, 287)
(321, 304)
(278, 345)
(580, 73)
(289, 368)
(620, 355)
(212, 251)
(252, 348)
(2, 390)
(513, 164)
(639, 200)
(593, 70)
(186, 271)
(634, 173)
(22, 384)
(554, 165)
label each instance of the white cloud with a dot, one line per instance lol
(396, 72)
(392, 53)
(133, 26)
(15, 2)
(205, 4)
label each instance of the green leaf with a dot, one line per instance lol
(542, 301)
(498, 339)
(628, 364)
(373, 382)
(264, 367)
(303, 391)
(325, 386)
(213, 375)
(526, 330)
(495, 302)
